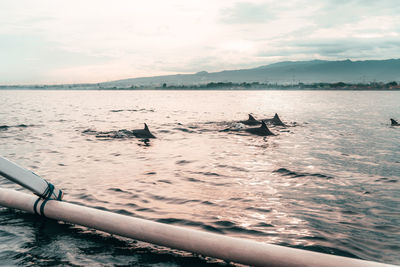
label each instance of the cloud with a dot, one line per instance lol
(247, 13)
(336, 13)
(30, 57)
(98, 39)
(335, 49)
(355, 48)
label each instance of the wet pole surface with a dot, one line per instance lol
(208, 244)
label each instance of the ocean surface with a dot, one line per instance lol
(328, 182)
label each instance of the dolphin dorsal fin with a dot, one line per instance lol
(394, 122)
(146, 128)
(263, 125)
(251, 118)
(276, 118)
(277, 121)
(265, 128)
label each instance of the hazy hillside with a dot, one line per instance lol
(283, 73)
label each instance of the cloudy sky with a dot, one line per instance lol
(73, 41)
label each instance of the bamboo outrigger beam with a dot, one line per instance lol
(218, 246)
(208, 244)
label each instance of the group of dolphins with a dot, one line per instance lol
(146, 134)
(263, 130)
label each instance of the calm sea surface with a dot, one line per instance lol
(330, 184)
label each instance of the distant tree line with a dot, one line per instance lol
(218, 85)
(257, 85)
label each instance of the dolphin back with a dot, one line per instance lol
(277, 121)
(143, 133)
(251, 118)
(261, 131)
(265, 129)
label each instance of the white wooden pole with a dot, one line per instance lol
(27, 179)
(218, 246)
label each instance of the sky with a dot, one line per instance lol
(75, 41)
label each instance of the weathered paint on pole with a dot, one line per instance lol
(208, 244)
(26, 178)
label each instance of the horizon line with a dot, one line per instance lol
(193, 73)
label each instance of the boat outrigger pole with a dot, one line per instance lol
(230, 249)
(29, 180)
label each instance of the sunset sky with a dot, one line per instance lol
(53, 41)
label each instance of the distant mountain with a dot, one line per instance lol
(283, 73)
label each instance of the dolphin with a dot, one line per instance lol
(277, 121)
(138, 133)
(6, 127)
(251, 121)
(261, 131)
(394, 122)
(274, 121)
(143, 133)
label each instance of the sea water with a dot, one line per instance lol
(328, 182)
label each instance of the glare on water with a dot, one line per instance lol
(329, 182)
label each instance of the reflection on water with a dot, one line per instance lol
(330, 184)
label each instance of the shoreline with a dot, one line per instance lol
(219, 86)
(199, 89)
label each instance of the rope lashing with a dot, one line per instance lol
(46, 196)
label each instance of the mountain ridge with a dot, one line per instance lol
(282, 73)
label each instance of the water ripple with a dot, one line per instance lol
(330, 185)
(286, 172)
